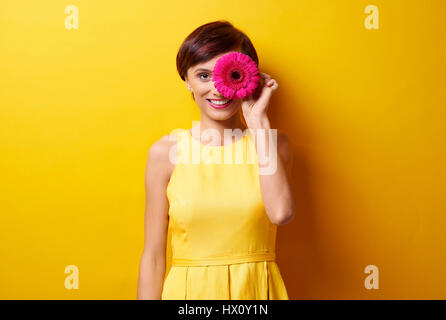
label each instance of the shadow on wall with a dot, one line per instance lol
(295, 248)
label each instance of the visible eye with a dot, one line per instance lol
(203, 73)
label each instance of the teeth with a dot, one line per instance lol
(219, 102)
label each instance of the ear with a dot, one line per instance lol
(188, 85)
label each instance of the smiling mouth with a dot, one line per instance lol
(219, 101)
(218, 104)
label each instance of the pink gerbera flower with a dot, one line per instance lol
(235, 75)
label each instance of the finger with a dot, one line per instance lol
(275, 85)
(272, 84)
(265, 75)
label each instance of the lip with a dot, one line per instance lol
(219, 106)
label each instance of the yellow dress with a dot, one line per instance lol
(223, 243)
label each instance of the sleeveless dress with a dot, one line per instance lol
(223, 243)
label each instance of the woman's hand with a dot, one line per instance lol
(254, 107)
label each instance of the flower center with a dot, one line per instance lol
(235, 75)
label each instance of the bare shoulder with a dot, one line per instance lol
(159, 155)
(160, 148)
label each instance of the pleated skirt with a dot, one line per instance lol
(259, 280)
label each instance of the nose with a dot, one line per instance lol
(215, 94)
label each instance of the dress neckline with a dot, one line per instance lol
(222, 146)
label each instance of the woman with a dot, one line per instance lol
(223, 217)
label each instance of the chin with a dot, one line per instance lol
(221, 116)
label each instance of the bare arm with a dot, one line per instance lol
(152, 266)
(276, 186)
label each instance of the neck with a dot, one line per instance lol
(233, 123)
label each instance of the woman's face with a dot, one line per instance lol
(199, 82)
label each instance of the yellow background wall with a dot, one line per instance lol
(364, 109)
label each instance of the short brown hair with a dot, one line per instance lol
(210, 40)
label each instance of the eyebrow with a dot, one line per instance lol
(202, 69)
